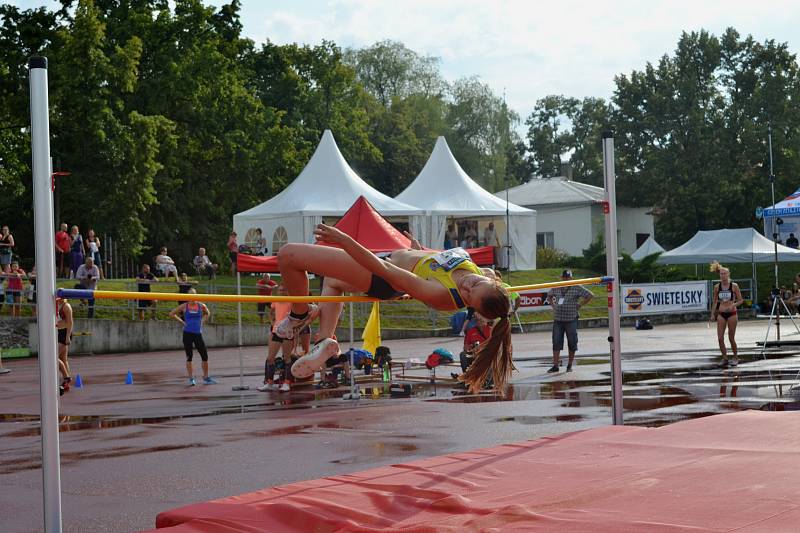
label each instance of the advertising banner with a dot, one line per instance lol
(531, 301)
(656, 298)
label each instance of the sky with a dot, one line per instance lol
(524, 50)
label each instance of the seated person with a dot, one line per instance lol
(165, 266)
(203, 264)
(479, 331)
(260, 244)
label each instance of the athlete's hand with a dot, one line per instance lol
(329, 234)
(415, 245)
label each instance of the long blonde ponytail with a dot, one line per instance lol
(493, 358)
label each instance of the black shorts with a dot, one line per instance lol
(232, 256)
(379, 288)
(62, 336)
(143, 304)
(262, 307)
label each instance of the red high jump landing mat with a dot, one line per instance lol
(733, 472)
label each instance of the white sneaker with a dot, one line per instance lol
(320, 352)
(735, 361)
(266, 387)
(287, 327)
(285, 387)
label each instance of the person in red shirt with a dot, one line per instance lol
(264, 286)
(14, 287)
(63, 243)
(233, 251)
(474, 337)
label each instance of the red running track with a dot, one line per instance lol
(732, 472)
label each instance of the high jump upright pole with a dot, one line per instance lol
(612, 269)
(45, 293)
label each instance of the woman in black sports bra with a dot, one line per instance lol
(727, 297)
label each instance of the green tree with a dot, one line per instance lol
(481, 132)
(391, 72)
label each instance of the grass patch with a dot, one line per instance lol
(590, 361)
(15, 353)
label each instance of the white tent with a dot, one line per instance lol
(648, 247)
(327, 186)
(743, 245)
(444, 190)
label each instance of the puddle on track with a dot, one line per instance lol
(650, 397)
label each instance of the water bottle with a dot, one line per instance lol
(432, 375)
(387, 374)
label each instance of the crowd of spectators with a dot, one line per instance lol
(464, 234)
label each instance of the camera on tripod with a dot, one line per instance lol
(775, 291)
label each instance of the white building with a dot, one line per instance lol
(570, 215)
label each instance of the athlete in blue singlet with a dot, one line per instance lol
(194, 315)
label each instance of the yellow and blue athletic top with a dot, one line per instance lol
(440, 267)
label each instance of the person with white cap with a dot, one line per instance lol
(566, 303)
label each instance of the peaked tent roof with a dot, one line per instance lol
(443, 187)
(553, 191)
(788, 206)
(364, 224)
(648, 247)
(743, 245)
(327, 186)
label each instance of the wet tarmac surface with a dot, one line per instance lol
(131, 451)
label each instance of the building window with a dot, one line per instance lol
(279, 238)
(641, 238)
(545, 240)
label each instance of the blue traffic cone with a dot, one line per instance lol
(129, 378)
(78, 382)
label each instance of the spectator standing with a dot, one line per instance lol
(490, 239)
(193, 315)
(165, 266)
(87, 276)
(143, 281)
(64, 325)
(6, 249)
(77, 251)
(261, 243)
(203, 264)
(264, 286)
(792, 241)
(471, 234)
(566, 302)
(62, 243)
(14, 287)
(93, 250)
(233, 251)
(184, 285)
(450, 237)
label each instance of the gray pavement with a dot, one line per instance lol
(131, 451)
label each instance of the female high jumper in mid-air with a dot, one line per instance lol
(445, 281)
